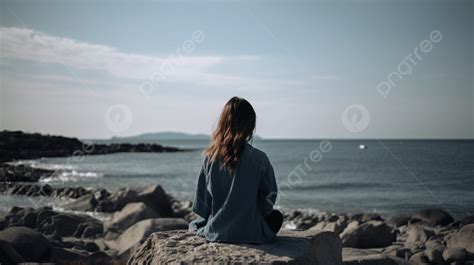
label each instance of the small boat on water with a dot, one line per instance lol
(362, 146)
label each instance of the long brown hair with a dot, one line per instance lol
(235, 126)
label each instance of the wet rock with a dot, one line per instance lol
(17, 173)
(291, 247)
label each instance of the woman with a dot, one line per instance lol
(236, 187)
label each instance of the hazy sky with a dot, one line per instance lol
(90, 70)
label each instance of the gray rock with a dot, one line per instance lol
(372, 234)
(435, 255)
(134, 236)
(399, 220)
(86, 203)
(398, 251)
(291, 247)
(375, 259)
(457, 254)
(464, 238)
(419, 258)
(357, 252)
(64, 225)
(26, 243)
(129, 215)
(434, 216)
(153, 196)
(418, 235)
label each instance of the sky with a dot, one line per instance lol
(311, 69)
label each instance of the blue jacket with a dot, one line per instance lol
(231, 208)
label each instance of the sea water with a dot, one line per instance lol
(386, 176)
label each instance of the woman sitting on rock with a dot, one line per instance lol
(236, 187)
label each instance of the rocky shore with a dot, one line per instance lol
(147, 226)
(19, 145)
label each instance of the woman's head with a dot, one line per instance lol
(235, 126)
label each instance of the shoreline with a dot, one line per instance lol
(131, 212)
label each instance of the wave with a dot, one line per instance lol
(39, 165)
(69, 176)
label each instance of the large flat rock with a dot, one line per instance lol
(291, 247)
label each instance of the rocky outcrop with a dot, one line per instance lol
(290, 247)
(9, 173)
(19, 145)
(52, 223)
(153, 196)
(22, 244)
(33, 190)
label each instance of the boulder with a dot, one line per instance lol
(398, 251)
(290, 247)
(464, 238)
(434, 216)
(135, 235)
(435, 255)
(399, 220)
(457, 254)
(420, 258)
(336, 226)
(153, 196)
(64, 225)
(86, 203)
(372, 234)
(156, 198)
(375, 259)
(358, 252)
(418, 235)
(26, 243)
(129, 215)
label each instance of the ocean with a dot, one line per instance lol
(386, 176)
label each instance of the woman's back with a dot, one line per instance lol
(232, 206)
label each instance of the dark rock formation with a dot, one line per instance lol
(52, 223)
(22, 173)
(291, 247)
(15, 145)
(33, 190)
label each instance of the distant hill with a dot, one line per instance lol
(160, 136)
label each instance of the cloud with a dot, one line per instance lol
(31, 45)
